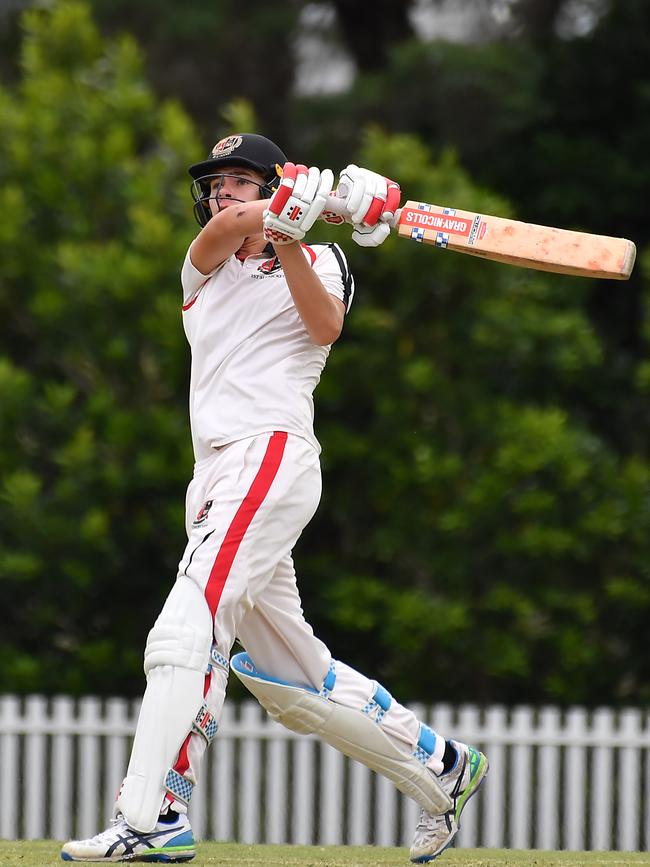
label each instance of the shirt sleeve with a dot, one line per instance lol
(192, 280)
(332, 269)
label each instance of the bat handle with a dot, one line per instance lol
(336, 205)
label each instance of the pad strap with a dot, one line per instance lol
(217, 658)
(330, 680)
(426, 744)
(379, 703)
(205, 724)
(178, 786)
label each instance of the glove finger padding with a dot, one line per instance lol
(302, 176)
(323, 182)
(312, 181)
(378, 202)
(280, 197)
(392, 201)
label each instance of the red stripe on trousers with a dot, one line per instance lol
(242, 520)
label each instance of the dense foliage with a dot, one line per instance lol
(93, 444)
(484, 529)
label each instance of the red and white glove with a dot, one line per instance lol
(370, 204)
(297, 203)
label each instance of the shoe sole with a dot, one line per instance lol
(166, 859)
(154, 857)
(469, 792)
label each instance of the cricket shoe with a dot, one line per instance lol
(436, 831)
(170, 841)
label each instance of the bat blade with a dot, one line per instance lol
(543, 248)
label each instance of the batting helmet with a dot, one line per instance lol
(247, 149)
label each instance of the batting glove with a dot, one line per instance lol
(297, 203)
(370, 204)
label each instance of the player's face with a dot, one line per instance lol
(238, 184)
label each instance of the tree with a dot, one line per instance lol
(369, 38)
(94, 449)
(207, 54)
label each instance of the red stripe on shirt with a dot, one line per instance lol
(242, 520)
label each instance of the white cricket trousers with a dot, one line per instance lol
(246, 507)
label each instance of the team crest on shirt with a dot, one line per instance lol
(270, 266)
(202, 517)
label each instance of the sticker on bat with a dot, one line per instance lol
(451, 225)
(475, 233)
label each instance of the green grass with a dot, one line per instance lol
(45, 853)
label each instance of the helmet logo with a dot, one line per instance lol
(226, 146)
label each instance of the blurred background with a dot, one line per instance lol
(484, 533)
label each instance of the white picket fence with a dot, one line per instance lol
(572, 779)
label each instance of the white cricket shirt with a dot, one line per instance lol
(254, 366)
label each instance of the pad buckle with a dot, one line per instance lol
(205, 724)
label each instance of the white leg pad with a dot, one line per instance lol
(303, 709)
(176, 662)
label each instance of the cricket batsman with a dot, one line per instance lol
(261, 311)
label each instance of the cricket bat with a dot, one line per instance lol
(527, 245)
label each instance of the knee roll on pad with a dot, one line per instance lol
(356, 732)
(177, 643)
